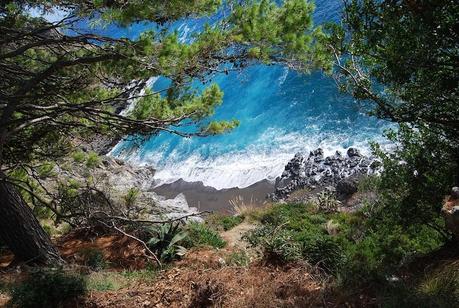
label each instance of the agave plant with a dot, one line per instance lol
(166, 241)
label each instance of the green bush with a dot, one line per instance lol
(202, 235)
(47, 288)
(131, 197)
(281, 246)
(384, 250)
(324, 251)
(291, 232)
(78, 156)
(93, 160)
(225, 222)
(354, 249)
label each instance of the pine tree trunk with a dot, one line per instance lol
(21, 231)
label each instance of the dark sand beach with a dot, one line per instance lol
(207, 198)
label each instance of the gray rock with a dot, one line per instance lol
(347, 186)
(316, 171)
(353, 152)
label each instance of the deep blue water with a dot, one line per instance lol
(281, 113)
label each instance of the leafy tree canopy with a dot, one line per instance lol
(64, 79)
(400, 58)
(403, 56)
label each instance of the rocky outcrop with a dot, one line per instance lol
(316, 171)
(115, 178)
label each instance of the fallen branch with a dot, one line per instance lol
(153, 255)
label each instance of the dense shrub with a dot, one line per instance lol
(293, 232)
(324, 251)
(93, 160)
(357, 250)
(78, 156)
(47, 288)
(280, 245)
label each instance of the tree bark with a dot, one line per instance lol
(21, 231)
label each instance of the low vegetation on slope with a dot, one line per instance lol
(297, 255)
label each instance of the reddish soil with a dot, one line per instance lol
(200, 280)
(119, 251)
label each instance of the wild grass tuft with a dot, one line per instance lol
(200, 234)
(224, 222)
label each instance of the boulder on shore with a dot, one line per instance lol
(315, 171)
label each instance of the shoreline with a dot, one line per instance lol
(207, 198)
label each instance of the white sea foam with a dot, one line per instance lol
(283, 77)
(242, 168)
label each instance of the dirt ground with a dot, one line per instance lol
(201, 280)
(204, 279)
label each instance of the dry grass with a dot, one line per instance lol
(216, 285)
(118, 251)
(250, 209)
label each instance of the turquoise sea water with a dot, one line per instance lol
(281, 113)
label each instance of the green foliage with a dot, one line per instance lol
(280, 246)
(47, 288)
(92, 160)
(277, 32)
(157, 10)
(131, 197)
(353, 248)
(379, 253)
(327, 202)
(388, 41)
(200, 234)
(46, 169)
(79, 156)
(382, 61)
(84, 79)
(384, 45)
(153, 106)
(417, 175)
(220, 127)
(225, 222)
(167, 240)
(369, 183)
